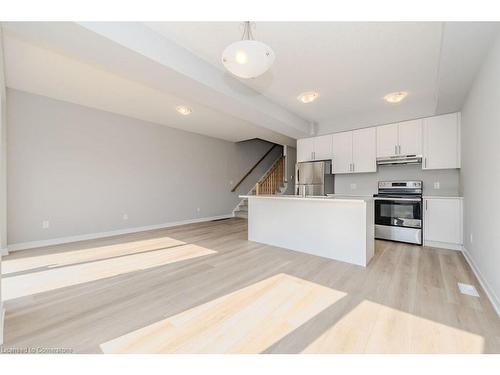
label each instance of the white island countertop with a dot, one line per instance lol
(353, 198)
(337, 227)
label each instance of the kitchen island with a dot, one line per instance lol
(336, 227)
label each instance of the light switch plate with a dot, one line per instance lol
(468, 289)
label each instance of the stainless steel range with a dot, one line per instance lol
(398, 211)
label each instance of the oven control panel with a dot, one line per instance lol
(400, 184)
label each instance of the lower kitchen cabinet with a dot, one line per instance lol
(443, 222)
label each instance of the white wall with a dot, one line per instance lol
(366, 183)
(480, 173)
(82, 169)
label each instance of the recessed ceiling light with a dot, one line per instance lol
(308, 97)
(183, 110)
(395, 97)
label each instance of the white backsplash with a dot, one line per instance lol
(366, 183)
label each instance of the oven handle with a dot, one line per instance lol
(398, 199)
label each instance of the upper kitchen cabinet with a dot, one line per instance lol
(354, 151)
(315, 148)
(387, 140)
(323, 147)
(305, 149)
(404, 138)
(441, 142)
(364, 150)
(410, 137)
(342, 152)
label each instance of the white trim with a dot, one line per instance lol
(495, 301)
(443, 245)
(2, 319)
(91, 236)
(4, 252)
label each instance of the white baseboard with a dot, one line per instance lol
(443, 245)
(2, 319)
(91, 236)
(495, 301)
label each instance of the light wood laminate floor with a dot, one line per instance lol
(203, 288)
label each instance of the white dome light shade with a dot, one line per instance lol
(248, 58)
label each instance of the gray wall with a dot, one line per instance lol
(82, 169)
(366, 183)
(480, 173)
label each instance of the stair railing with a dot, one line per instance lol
(274, 180)
(255, 166)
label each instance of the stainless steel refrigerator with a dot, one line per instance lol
(313, 178)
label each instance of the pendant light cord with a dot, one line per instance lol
(247, 31)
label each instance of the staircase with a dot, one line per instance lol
(273, 182)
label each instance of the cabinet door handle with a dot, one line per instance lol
(399, 149)
(426, 204)
(396, 149)
(425, 162)
(353, 167)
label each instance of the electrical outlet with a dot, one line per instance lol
(354, 186)
(125, 217)
(45, 224)
(437, 185)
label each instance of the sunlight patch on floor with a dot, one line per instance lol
(248, 320)
(52, 279)
(86, 255)
(374, 328)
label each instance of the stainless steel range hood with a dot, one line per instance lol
(400, 159)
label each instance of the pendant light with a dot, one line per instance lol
(248, 58)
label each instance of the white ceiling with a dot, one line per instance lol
(354, 64)
(145, 70)
(41, 71)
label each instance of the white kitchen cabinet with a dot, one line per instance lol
(342, 152)
(305, 149)
(387, 140)
(443, 222)
(441, 142)
(322, 147)
(354, 151)
(314, 148)
(364, 150)
(410, 137)
(404, 138)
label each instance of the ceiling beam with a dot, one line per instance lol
(139, 53)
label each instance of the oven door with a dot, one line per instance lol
(398, 212)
